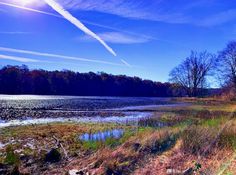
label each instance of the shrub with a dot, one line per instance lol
(196, 139)
(227, 138)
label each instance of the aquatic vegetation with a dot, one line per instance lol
(152, 122)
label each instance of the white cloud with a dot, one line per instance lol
(125, 8)
(181, 12)
(219, 18)
(84, 21)
(19, 59)
(136, 9)
(156, 10)
(119, 38)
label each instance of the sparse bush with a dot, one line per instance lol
(159, 142)
(197, 138)
(213, 132)
(227, 138)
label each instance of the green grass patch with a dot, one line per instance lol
(213, 122)
(11, 157)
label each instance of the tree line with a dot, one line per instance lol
(21, 80)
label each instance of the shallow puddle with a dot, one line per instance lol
(102, 135)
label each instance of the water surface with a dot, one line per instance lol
(39, 109)
(102, 135)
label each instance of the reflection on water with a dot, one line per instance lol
(102, 135)
(129, 119)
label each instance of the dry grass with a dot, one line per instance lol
(191, 136)
(125, 158)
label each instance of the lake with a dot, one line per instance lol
(33, 109)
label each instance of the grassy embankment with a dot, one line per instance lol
(200, 138)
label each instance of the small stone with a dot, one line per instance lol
(75, 172)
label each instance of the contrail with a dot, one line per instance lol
(5, 49)
(88, 22)
(84, 21)
(57, 7)
(20, 59)
(125, 62)
(95, 24)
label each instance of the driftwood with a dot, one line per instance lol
(59, 145)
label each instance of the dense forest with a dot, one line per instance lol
(21, 80)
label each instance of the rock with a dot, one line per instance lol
(75, 172)
(173, 171)
(53, 156)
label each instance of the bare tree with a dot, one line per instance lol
(227, 64)
(192, 72)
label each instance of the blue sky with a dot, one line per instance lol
(150, 37)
